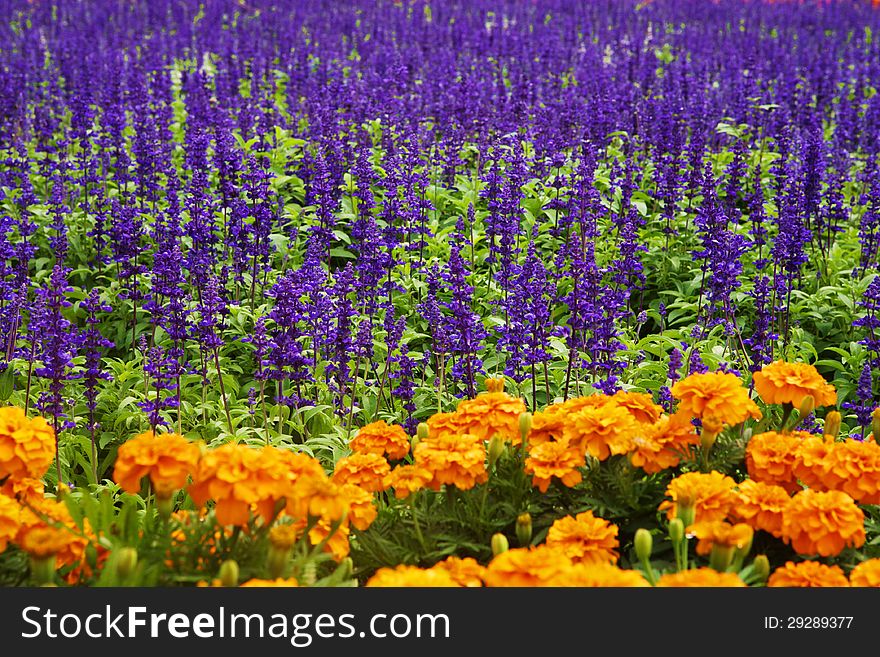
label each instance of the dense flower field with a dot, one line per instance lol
(484, 293)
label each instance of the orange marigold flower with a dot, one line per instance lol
(866, 573)
(596, 574)
(823, 523)
(27, 445)
(718, 532)
(318, 497)
(771, 457)
(336, 543)
(711, 494)
(445, 424)
(853, 466)
(715, 396)
(264, 583)
(554, 459)
(705, 577)
(364, 470)
(661, 445)
(781, 382)
(585, 538)
(761, 506)
(167, 460)
(65, 535)
(547, 425)
(10, 520)
(240, 478)
(807, 574)
(411, 576)
(361, 510)
(464, 571)
(407, 479)
(812, 465)
(283, 537)
(24, 490)
(640, 405)
(491, 413)
(457, 460)
(531, 566)
(381, 438)
(44, 541)
(601, 430)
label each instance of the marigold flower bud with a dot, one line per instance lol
(832, 424)
(644, 544)
(761, 567)
(525, 425)
(165, 506)
(126, 562)
(309, 574)
(709, 434)
(43, 570)
(686, 510)
(496, 449)
(345, 568)
(721, 557)
(676, 530)
(743, 550)
(499, 544)
(808, 405)
(422, 431)
(495, 384)
(524, 528)
(229, 573)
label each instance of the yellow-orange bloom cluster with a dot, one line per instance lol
(531, 566)
(242, 479)
(761, 506)
(264, 583)
(807, 574)
(464, 571)
(491, 413)
(233, 476)
(10, 520)
(661, 445)
(445, 424)
(710, 494)
(823, 523)
(361, 510)
(639, 405)
(781, 382)
(723, 534)
(411, 576)
(852, 466)
(364, 470)
(167, 460)
(866, 573)
(771, 458)
(601, 430)
(554, 459)
(27, 445)
(812, 465)
(716, 397)
(407, 479)
(382, 439)
(700, 577)
(48, 528)
(456, 460)
(584, 538)
(598, 575)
